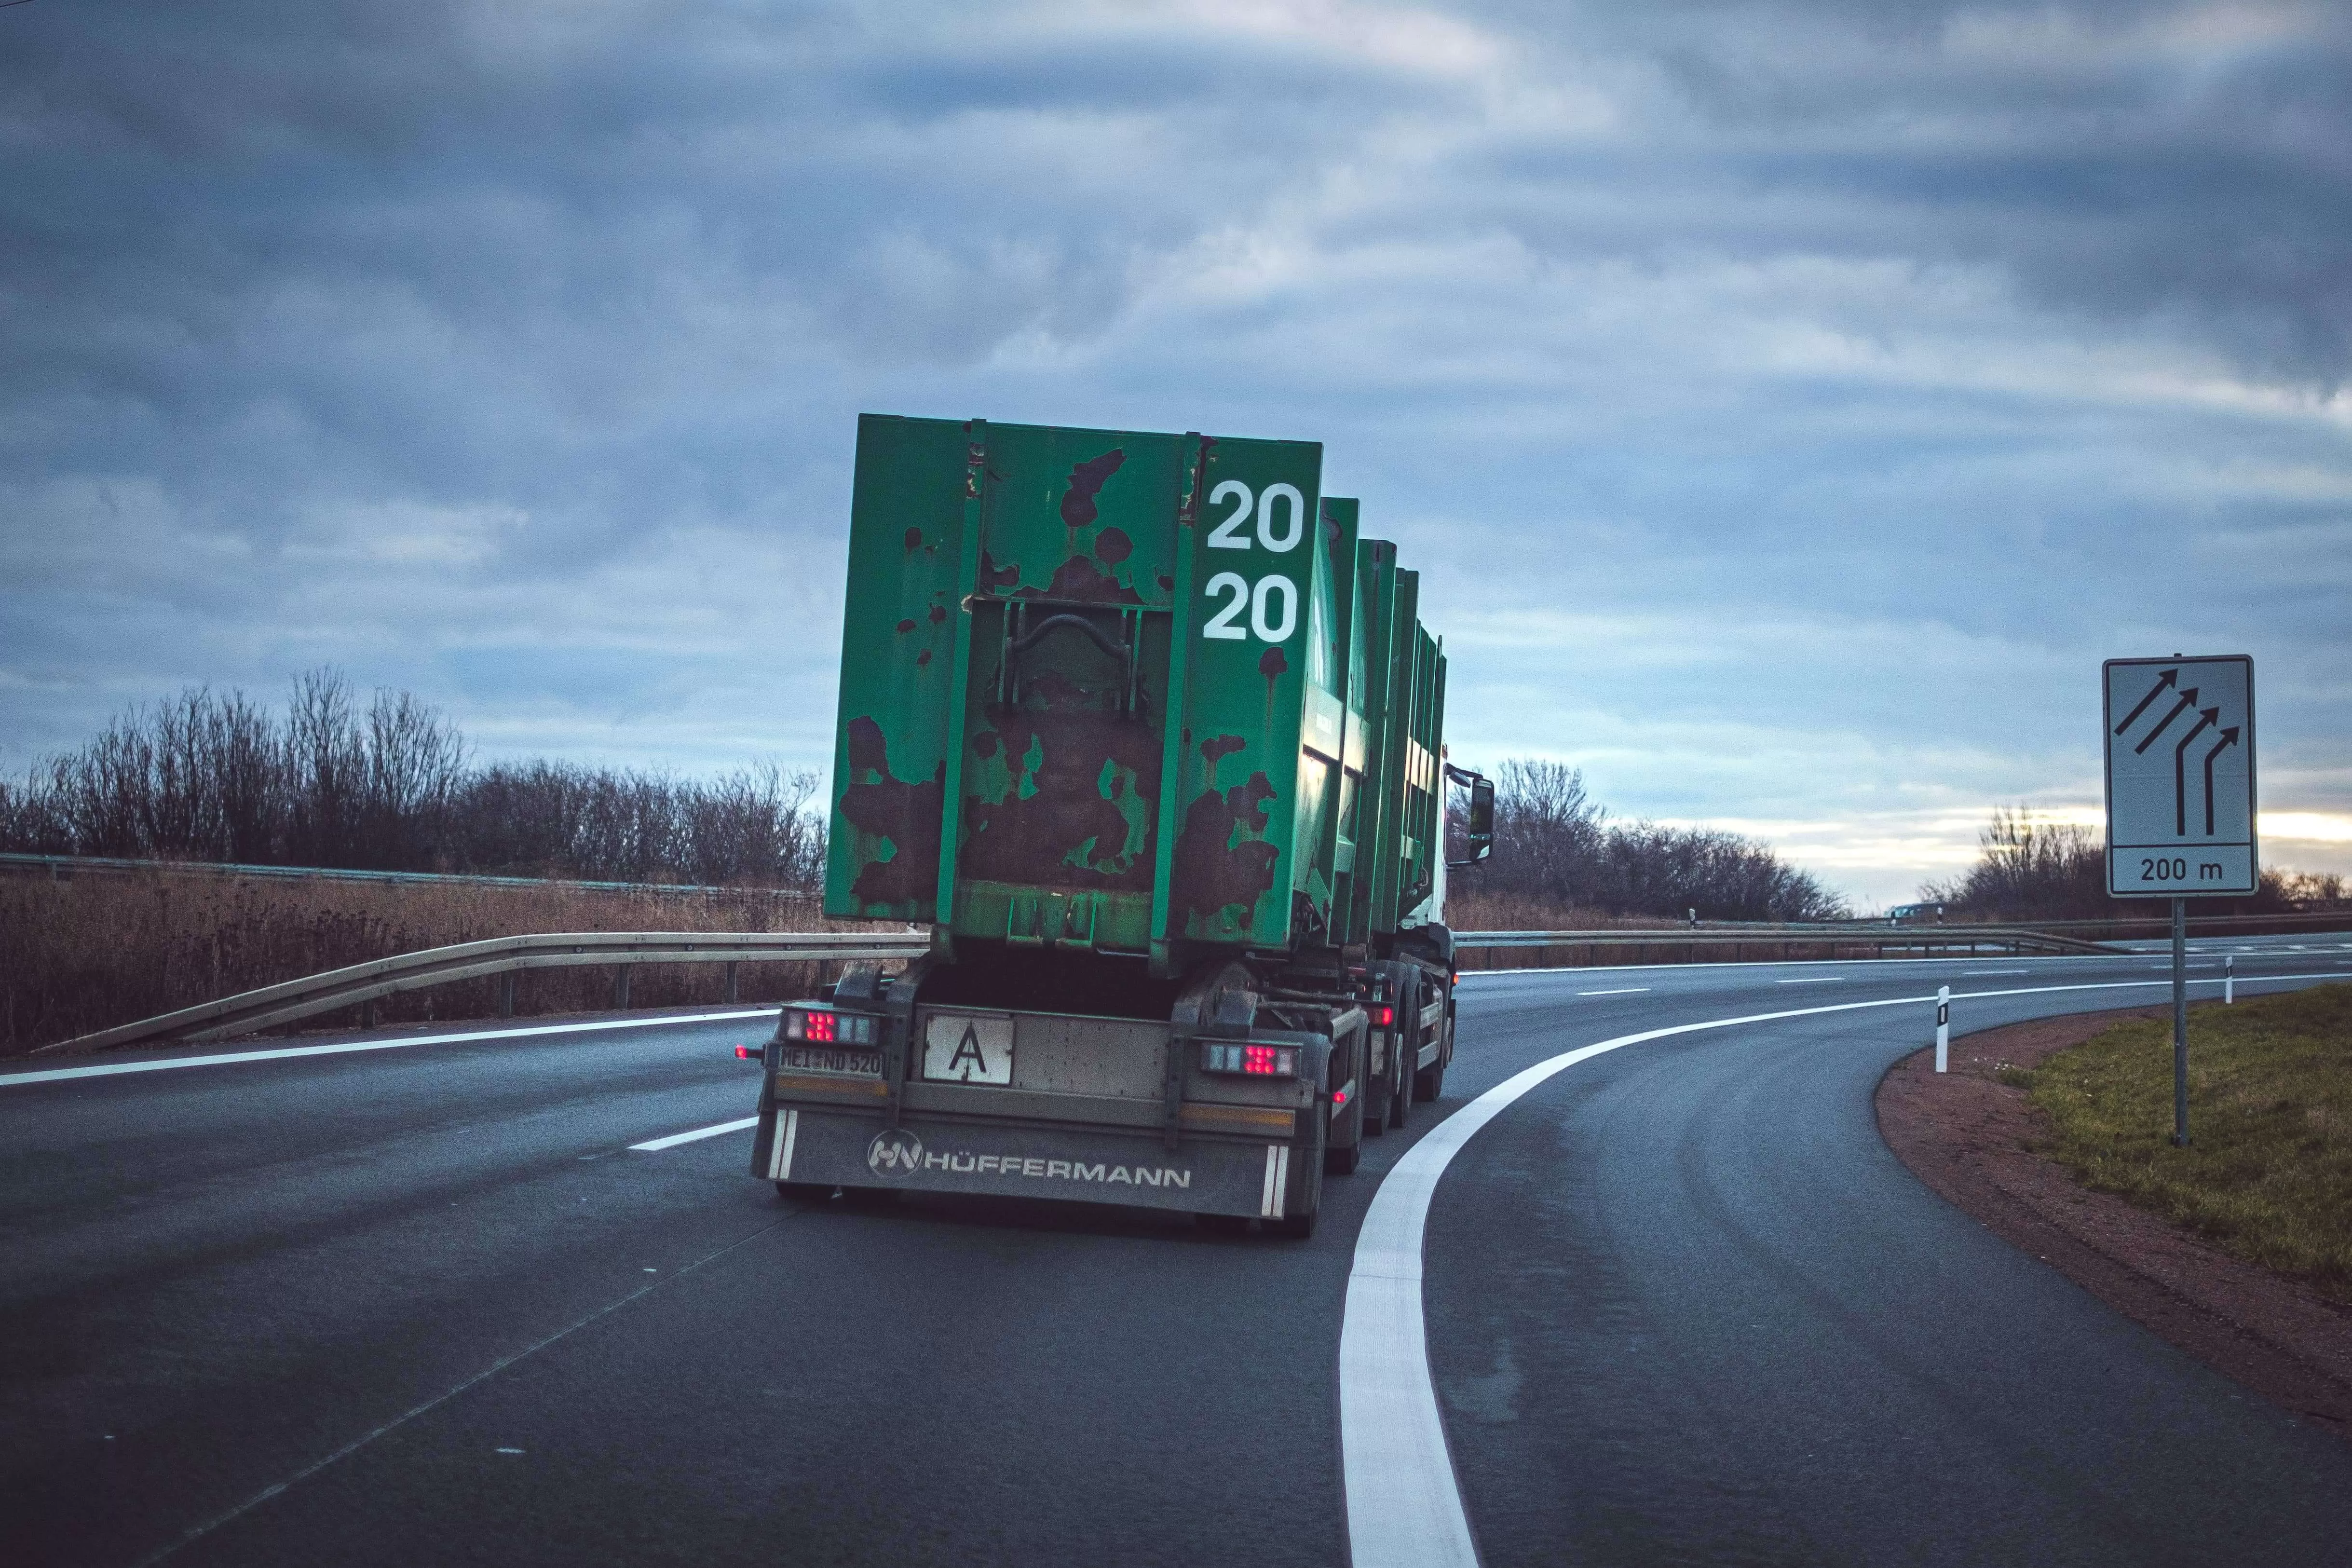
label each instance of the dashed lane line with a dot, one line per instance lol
(656, 1146)
(1621, 990)
(1404, 1507)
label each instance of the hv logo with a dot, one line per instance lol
(895, 1152)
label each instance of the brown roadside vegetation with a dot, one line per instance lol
(102, 950)
(1976, 1138)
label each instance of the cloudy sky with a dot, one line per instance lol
(1789, 404)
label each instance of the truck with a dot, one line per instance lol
(1150, 737)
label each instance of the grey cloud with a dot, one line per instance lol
(512, 351)
(2108, 169)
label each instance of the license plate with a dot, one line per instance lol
(847, 1060)
(968, 1048)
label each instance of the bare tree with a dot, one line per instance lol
(1554, 843)
(214, 777)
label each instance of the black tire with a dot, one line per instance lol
(813, 1191)
(1345, 1149)
(1376, 1097)
(1400, 1096)
(1300, 1225)
(1429, 1083)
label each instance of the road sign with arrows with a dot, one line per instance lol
(2180, 776)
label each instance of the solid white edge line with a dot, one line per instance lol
(1621, 990)
(111, 1069)
(1404, 1507)
(656, 1145)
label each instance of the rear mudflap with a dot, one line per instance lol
(1203, 1175)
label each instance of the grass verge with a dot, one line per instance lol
(2268, 1174)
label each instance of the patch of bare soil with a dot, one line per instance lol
(1975, 1142)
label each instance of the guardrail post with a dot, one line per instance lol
(620, 987)
(730, 984)
(1943, 1025)
(367, 1014)
(505, 995)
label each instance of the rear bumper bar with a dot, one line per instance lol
(1206, 1175)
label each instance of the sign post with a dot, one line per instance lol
(2180, 802)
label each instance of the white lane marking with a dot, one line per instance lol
(1996, 971)
(656, 1146)
(1404, 1509)
(1813, 980)
(111, 1069)
(1621, 990)
(198, 1531)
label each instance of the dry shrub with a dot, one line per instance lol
(90, 952)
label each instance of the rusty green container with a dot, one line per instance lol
(1152, 689)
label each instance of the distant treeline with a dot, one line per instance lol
(2029, 868)
(1554, 845)
(391, 786)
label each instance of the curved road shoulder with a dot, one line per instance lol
(1974, 1141)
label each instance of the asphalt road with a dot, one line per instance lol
(426, 1304)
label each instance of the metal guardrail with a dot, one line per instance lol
(1923, 939)
(507, 956)
(503, 955)
(63, 867)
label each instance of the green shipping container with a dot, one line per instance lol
(1152, 692)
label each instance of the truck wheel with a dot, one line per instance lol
(1307, 1164)
(813, 1191)
(1405, 1046)
(1430, 1081)
(1377, 1096)
(1342, 1157)
(1346, 1149)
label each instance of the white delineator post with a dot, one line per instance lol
(1943, 1025)
(2229, 982)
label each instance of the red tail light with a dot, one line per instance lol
(823, 1027)
(1383, 1016)
(747, 1053)
(1249, 1061)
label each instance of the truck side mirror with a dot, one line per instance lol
(1479, 831)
